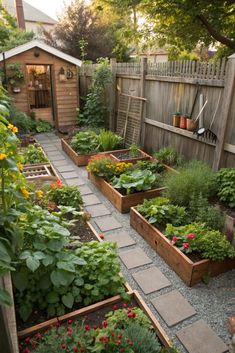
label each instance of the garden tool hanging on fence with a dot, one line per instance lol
(208, 133)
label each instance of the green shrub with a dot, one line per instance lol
(225, 179)
(153, 165)
(85, 142)
(169, 156)
(159, 210)
(65, 195)
(42, 126)
(34, 154)
(136, 180)
(195, 237)
(109, 141)
(134, 150)
(195, 178)
(24, 123)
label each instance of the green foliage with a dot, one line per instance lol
(201, 211)
(144, 340)
(134, 150)
(66, 196)
(24, 123)
(43, 126)
(159, 210)
(136, 180)
(106, 167)
(153, 165)
(194, 178)
(85, 142)
(196, 237)
(121, 318)
(168, 156)
(109, 141)
(225, 179)
(93, 114)
(34, 154)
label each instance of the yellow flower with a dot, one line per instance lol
(39, 194)
(12, 128)
(3, 156)
(20, 166)
(25, 192)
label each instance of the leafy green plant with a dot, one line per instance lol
(195, 178)
(201, 211)
(34, 154)
(195, 237)
(153, 165)
(85, 142)
(24, 123)
(109, 141)
(136, 180)
(225, 179)
(14, 74)
(42, 126)
(169, 156)
(134, 150)
(159, 210)
(94, 112)
(66, 196)
(120, 318)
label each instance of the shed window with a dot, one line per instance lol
(39, 86)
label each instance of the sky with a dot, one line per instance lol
(51, 7)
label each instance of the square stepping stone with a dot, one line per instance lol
(69, 175)
(200, 338)
(75, 182)
(134, 258)
(85, 190)
(107, 223)
(60, 163)
(58, 157)
(91, 200)
(97, 210)
(151, 280)
(173, 308)
(50, 148)
(54, 153)
(65, 168)
(122, 239)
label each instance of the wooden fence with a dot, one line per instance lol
(169, 87)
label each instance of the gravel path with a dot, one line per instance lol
(213, 303)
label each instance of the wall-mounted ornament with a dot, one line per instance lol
(62, 77)
(69, 74)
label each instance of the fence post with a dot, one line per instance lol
(112, 95)
(226, 104)
(143, 72)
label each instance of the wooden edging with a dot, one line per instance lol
(144, 156)
(189, 271)
(122, 202)
(94, 307)
(79, 159)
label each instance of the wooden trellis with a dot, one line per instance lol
(40, 172)
(130, 111)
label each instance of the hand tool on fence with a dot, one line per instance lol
(194, 101)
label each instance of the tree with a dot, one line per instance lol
(82, 24)
(184, 23)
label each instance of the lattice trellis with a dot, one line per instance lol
(39, 171)
(130, 110)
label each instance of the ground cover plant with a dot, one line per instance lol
(33, 154)
(26, 123)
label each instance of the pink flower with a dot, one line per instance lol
(174, 239)
(115, 307)
(186, 245)
(124, 305)
(70, 322)
(191, 236)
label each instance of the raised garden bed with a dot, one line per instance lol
(79, 159)
(124, 155)
(97, 313)
(122, 202)
(190, 272)
(40, 172)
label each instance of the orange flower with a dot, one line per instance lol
(12, 128)
(3, 156)
(56, 184)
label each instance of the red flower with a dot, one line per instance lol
(56, 184)
(131, 343)
(75, 349)
(82, 349)
(101, 235)
(87, 328)
(63, 346)
(186, 245)
(27, 340)
(119, 342)
(26, 350)
(112, 334)
(95, 327)
(174, 239)
(124, 305)
(122, 350)
(119, 336)
(191, 236)
(104, 324)
(38, 336)
(69, 331)
(133, 314)
(70, 322)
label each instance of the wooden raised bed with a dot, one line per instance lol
(78, 159)
(143, 156)
(189, 271)
(122, 202)
(96, 307)
(40, 172)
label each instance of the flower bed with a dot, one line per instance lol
(124, 155)
(108, 326)
(189, 271)
(79, 159)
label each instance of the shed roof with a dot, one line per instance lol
(38, 44)
(31, 14)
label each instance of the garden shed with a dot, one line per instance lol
(44, 81)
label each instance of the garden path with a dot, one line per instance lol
(194, 318)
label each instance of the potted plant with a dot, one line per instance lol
(15, 77)
(176, 119)
(183, 121)
(191, 125)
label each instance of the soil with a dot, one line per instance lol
(83, 231)
(122, 156)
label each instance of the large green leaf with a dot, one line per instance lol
(25, 311)
(52, 298)
(44, 282)
(5, 298)
(61, 278)
(32, 263)
(20, 280)
(48, 260)
(66, 266)
(68, 300)
(61, 230)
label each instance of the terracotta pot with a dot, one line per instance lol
(191, 125)
(183, 122)
(176, 120)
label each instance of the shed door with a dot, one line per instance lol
(40, 95)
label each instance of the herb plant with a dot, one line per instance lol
(169, 156)
(34, 154)
(65, 195)
(109, 141)
(225, 179)
(153, 165)
(136, 180)
(159, 210)
(85, 142)
(134, 150)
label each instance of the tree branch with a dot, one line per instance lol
(217, 36)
